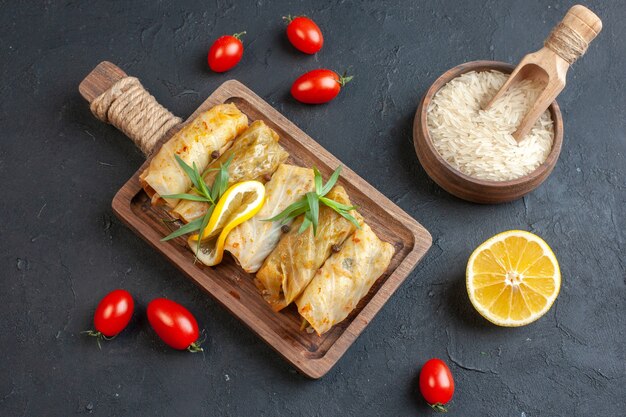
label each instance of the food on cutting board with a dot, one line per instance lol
(254, 155)
(480, 143)
(112, 315)
(436, 384)
(239, 203)
(513, 278)
(226, 52)
(318, 86)
(286, 229)
(344, 279)
(251, 242)
(292, 265)
(304, 34)
(174, 324)
(212, 131)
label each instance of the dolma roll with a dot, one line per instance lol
(211, 131)
(344, 279)
(255, 154)
(291, 266)
(251, 242)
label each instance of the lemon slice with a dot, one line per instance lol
(513, 278)
(238, 204)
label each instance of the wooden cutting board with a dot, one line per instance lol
(312, 355)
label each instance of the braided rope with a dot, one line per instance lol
(134, 111)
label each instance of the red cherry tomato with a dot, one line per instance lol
(226, 52)
(436, 384)
(304, 34)
(174, 324)
(112, 314)
(318, 86)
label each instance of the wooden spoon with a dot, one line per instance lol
(567, 42)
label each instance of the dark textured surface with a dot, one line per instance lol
(61, 249)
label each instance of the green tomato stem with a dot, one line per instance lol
(98, 335)
(438, 407)
(343, 79)
(195, 348)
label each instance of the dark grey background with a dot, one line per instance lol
(61, 248)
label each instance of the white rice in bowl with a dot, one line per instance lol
(480, 143)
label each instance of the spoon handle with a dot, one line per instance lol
(571, 37)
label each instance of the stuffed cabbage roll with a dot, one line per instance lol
(251, 242)
(256, 154)
(211, 131)
(291, 266)
(344, 279)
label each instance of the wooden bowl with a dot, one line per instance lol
(461, 185)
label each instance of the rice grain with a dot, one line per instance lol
(479, 142)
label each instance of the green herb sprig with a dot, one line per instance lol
(205, 194)
(309, 205)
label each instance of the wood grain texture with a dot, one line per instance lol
(99, 80)
(461, 185)
(312, 355)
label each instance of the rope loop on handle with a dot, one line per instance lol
(134, 111)
(566, 43)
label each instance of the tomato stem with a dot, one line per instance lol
(99, 336)
(195, 348)
(289, 18)
(344, 79)
(239, 35)
(438, 407)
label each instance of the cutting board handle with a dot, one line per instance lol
(120, 100)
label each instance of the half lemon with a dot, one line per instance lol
(513, 278)
(239, 203)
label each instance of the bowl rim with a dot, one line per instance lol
(555, 112)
